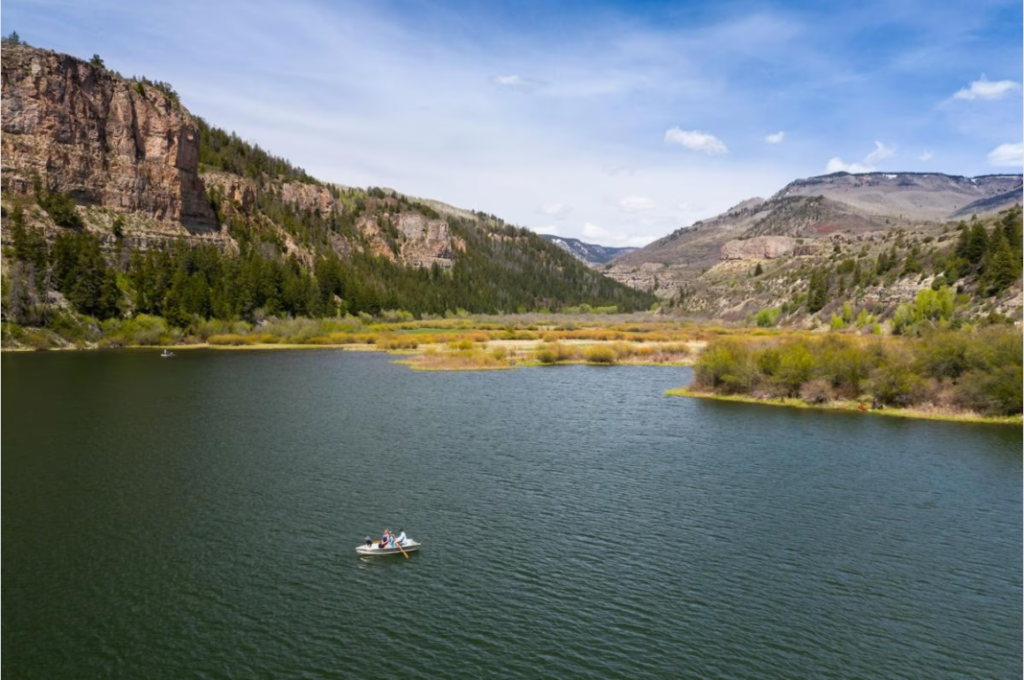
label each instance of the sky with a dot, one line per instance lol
(613, 122)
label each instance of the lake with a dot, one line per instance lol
(197, 517)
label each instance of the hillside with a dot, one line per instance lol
(913, 196)
(813, 224)
(589, 253)
(118, 201)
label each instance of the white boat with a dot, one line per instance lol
(372, 550)
(166, 355)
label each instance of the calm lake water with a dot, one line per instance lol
(197, 517)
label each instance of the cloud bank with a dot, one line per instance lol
(1007, 155)
(987, 89)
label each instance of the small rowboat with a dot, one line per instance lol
(373, 551)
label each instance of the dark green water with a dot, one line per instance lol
(196, 517)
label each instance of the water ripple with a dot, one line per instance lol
(198, 518)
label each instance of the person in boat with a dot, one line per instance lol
(384, 539)
(402, 538)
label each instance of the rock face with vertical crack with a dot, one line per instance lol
(110, 142)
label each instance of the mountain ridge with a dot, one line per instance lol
(837, 202)
(589, 253)
(114, 176)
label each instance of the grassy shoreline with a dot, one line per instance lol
(512, 354)
(854, 407)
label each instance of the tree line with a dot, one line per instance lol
(187, 283)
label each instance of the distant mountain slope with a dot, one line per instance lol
(911, 196)
(173, 216)
(589, 253)
(813, 209)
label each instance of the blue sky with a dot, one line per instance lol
(612, 122)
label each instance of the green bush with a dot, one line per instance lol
(727, 365)
(767, 318)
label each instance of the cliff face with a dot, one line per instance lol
(758, 247)
(114, 144)
(85, 130)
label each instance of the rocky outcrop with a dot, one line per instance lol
(426, 242)
(758, 248)
(109, 142)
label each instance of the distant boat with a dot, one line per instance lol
(371, 549)
(166, 355)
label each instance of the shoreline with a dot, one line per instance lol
(852, 407)
(445, 362)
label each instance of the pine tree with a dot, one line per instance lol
(817, 291)
(977, 244)
(1002, 268)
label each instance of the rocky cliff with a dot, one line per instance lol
(127, 147)
(758, 247)
(108, 141)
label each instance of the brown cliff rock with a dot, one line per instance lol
(85, 130)
(427, 242)
(758, 247)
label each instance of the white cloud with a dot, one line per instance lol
(597, 235)
(696, 140)
(517, 82)
(776, 138)
(881, 152)
(551, 230)
(591, 230)
(839, 165)
(1007, 155)
(556, 210)
(984, 88)
(636, 203)
(925, 156)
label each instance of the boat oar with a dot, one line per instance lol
(404, 554)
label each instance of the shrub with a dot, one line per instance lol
(61, 208)
(995, 392)
(796, 366)
(727, 365)
(896, 384)
(817, 392)
(399, 342)
(143, 330)
(599, 354)
(554, 353)
(227, 339)
(767, 318)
